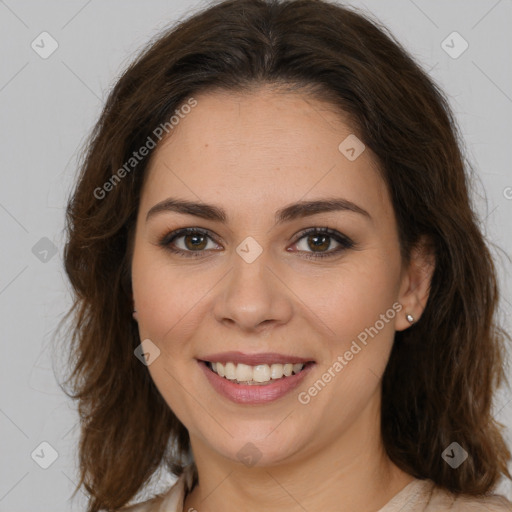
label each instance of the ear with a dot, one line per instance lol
(415, 283)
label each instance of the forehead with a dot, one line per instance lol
(261, 149)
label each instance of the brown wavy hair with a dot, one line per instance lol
(443, 371)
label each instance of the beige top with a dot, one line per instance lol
(417, 496)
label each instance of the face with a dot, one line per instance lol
(266, 284)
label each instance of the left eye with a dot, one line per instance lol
(195, 242)
(320, 238)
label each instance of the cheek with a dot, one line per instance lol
(354, 296)
(170, 300)
(365, 319)
(360, 315)
(160, 298)
(165, 300)
(360, 307)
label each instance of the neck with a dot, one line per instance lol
(350, 472)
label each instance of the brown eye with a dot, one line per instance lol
(317, 241)
(187, 242)
(194, 242)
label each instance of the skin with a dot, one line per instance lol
(253, 154)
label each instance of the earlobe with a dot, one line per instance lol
(416, 283)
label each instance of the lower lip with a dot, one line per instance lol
(254, 394)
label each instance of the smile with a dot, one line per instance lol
(254, 378)
(254, 375)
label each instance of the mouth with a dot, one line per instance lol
(254, 379)
(259, 375)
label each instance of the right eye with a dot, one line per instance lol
(195, 241)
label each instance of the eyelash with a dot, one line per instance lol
(344, 241)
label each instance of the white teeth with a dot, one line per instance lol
(287, 369)
(297, 367)
(243, 372)
(255, 374)
(276, 371)
(230, 371)
(261, 373)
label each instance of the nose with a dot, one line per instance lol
(253, 297)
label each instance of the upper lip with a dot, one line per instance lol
(253, 359)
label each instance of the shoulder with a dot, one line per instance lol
(426, 496)
(168, 501)
(152, 505)
(444, 500)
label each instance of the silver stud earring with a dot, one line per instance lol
(410, 318)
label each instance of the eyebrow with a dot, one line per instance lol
(286, 214)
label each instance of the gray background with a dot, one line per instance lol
(48, 106)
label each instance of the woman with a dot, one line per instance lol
(282, 293)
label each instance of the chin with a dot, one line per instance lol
(254, 446)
